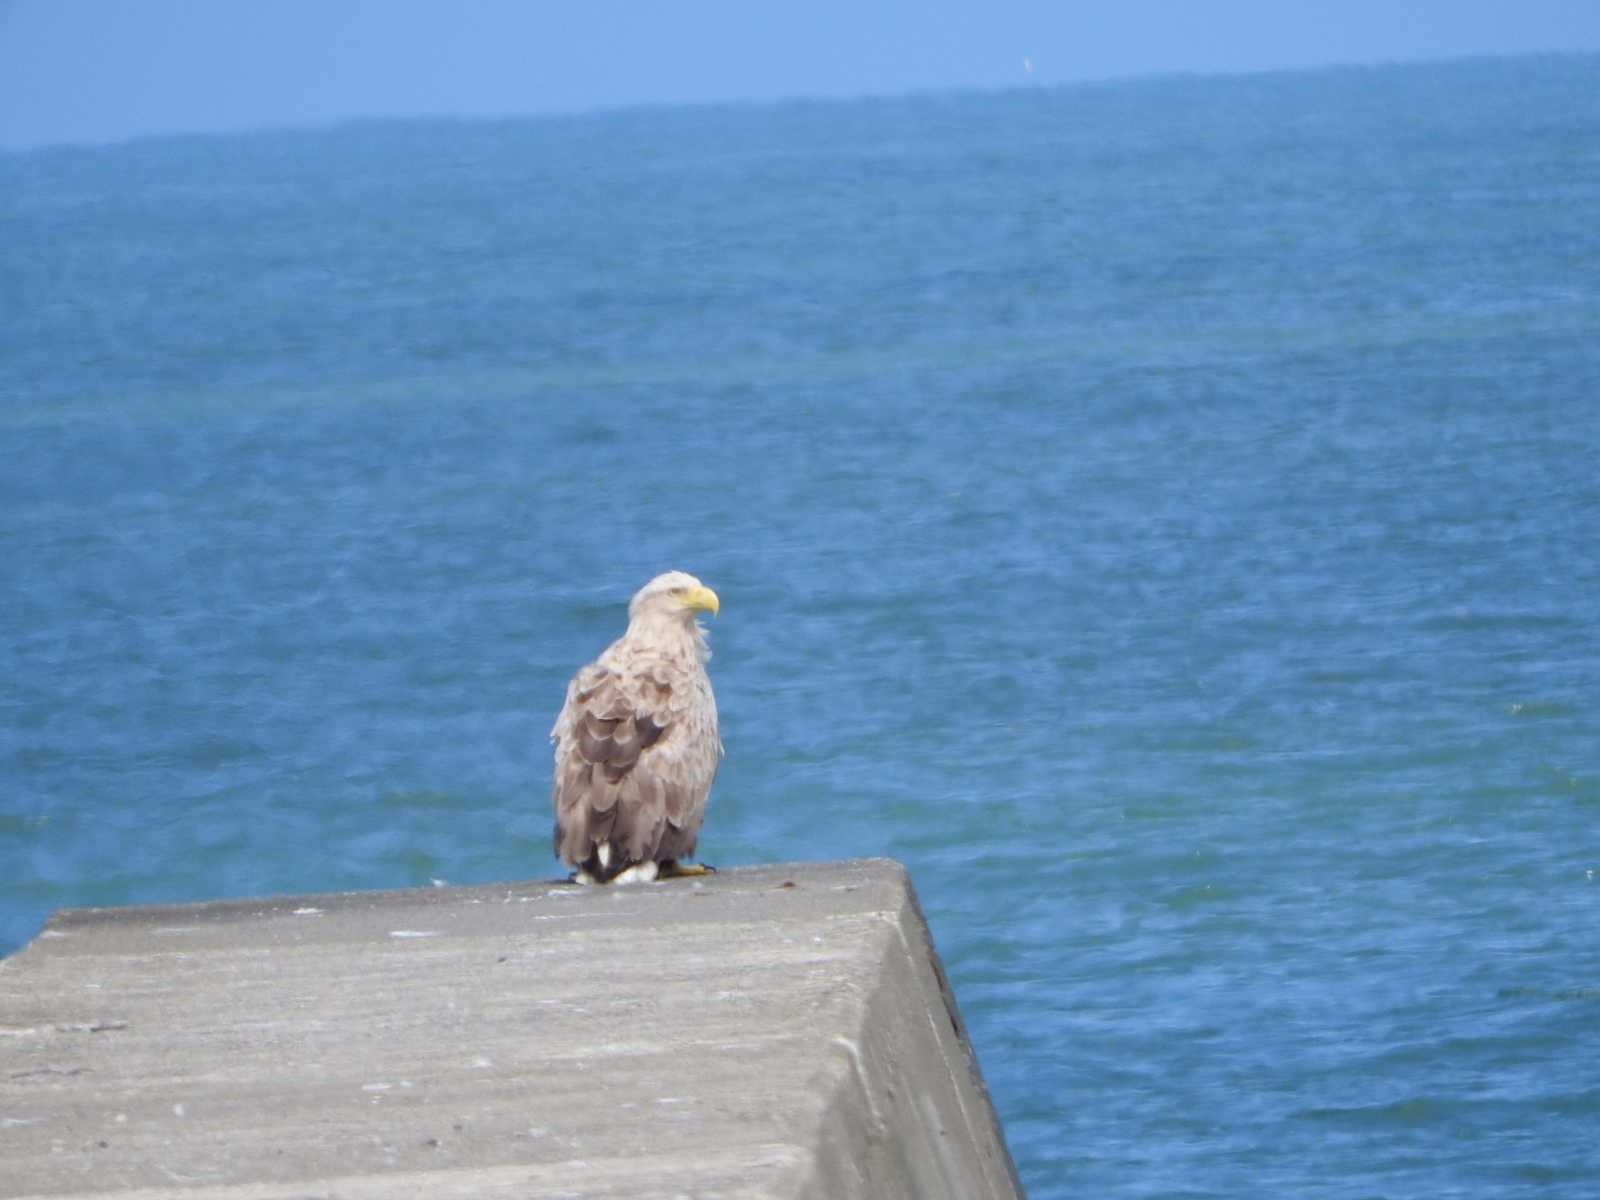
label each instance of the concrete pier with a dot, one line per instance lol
(764, 1032)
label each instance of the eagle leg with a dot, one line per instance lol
(671, 868)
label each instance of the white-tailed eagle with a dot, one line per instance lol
(637, 744)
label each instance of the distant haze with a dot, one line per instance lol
(103, 71)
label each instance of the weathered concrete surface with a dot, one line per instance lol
(772, 1031)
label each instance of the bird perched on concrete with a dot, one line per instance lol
(637, 744)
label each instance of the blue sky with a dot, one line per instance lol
(103, 70)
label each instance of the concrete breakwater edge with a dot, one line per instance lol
(775, 1031)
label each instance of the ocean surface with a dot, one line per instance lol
(1164, 514)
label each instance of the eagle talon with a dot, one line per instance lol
(673, 869)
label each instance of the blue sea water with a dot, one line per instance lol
(1163, 514)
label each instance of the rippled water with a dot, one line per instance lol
(1162, 514)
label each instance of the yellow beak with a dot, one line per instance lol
(702, 599)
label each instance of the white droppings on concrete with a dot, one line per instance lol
(415, 933)
(177, 1178)
(858, 1065)
(306, 912)
(178, 1110)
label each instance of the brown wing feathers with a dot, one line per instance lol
(615, 741)
(609, 791)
